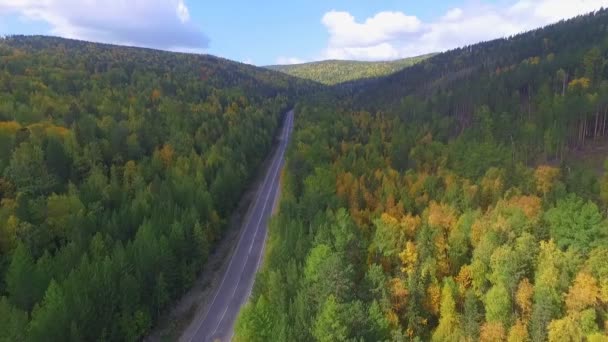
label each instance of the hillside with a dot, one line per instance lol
(337, 71)
(452, 197)
(118, 170)
(437, 203)
(561, 45)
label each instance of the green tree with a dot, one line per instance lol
(65, 214)
(21, 282)
(255, 322)
(56, 158)
(593, 63)
(379, 327)
(546, 299)
(576, 223)
(50, 320)
(13, 323)
(449, 328)
(498, 305)
(161, 294)
(27, 169)
(472, 316)
(328, 326)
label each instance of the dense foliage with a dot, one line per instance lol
(336, 71)
(454, 211)
(118, 170)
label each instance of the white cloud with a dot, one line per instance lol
(390, 35)
(380, 51)
(453, 14)
(289, 60)
(345, 31)
(163, 24)
(182, 11)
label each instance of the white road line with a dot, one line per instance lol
(274, 172)
(274, 203)
(259, 194)
(247, 258)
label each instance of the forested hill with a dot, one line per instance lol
(467, 70)
(516, 81)
(448, 202)
(118, 63)
(118, 170)
(337, 71)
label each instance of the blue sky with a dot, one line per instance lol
(264, 32)
(270, 31)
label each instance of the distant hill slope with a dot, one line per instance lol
(336, 71)
(463, 74)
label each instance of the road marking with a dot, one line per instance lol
(243, 233)
(282, 149)
(277, 158)
(274, 203)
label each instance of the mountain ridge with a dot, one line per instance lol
(335, 71)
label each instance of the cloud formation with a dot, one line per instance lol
(282, 60)
(391, 35)
(163, 24)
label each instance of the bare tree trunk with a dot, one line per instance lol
(604, 121)
(564, 84)
(584, 130)
(529, 101)
(580, 133)
(597, 119)
(599, 125)
(583, 133)
(513, 148)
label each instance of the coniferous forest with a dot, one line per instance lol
(118, 170)
(457, 200)
(338, 71)
(463, 198)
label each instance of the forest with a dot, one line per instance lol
(118, 170)
(337, 71)
(461, 199)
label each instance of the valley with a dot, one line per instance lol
(455, 196)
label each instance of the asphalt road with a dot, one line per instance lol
(217, 324)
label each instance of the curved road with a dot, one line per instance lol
(217, 323)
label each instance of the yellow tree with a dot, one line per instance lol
(399, 294)
(464, 278)
(518, 332)
(408, 257)
(492, 332)
(492, 186)
(583, 294)
(530, 205)
(166, 154)
(443, 217)
(545, 177)
(432, 302)
(565, 330)
(523, 298)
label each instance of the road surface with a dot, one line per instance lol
(217, 323)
